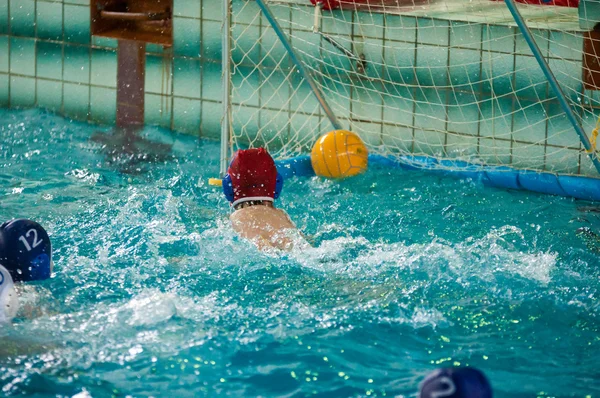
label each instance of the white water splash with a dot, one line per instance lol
(420, 318)
(482, 258)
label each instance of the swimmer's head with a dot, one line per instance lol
(252, 176)
(25, 250)
(456, 383)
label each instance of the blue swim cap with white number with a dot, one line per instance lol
(25, 250)
(456, 383)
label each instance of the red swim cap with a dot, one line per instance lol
(253, 176)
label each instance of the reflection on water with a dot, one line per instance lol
(128, 150)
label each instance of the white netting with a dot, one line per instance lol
(447, 79)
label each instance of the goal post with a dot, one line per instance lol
(454, 81)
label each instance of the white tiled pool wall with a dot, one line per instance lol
(49, 60)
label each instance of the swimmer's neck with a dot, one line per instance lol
(251, 203)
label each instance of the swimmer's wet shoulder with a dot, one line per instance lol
(265, 225)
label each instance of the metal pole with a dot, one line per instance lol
(315, 89)
(226, 81)
(553, 82)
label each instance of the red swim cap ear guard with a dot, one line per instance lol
(253, 176)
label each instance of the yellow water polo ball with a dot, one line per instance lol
(339, 154)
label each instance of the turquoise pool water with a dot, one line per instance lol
(153, 295)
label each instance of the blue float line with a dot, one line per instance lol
(579, 187)
(552, 80)
(315, 89)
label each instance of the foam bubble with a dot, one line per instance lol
(420, 318)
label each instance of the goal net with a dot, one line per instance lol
(449, 79)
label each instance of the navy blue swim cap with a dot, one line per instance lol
(456, 383)
(25, 250)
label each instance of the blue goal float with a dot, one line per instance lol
(579, 187)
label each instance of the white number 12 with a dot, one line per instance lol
(36, 242)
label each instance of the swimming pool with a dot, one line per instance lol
(153, 295)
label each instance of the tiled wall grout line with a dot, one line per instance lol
(172, 99)
(9, 57)
(353, 46)
(414, 91)
(62, 100)
(480, 114)
(447, 92)
(320, 112)
(546, 106)
(382, 73)
(203, 57)
(172, 81)
(366, 37)
(35, 33)
(260, 51)
(513, 82)
(89, 85)
(582, 154)
(63, 2)
(9, 40)
(289, 104)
